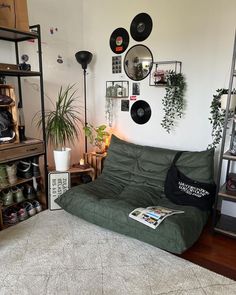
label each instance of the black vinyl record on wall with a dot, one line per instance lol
(119, 40)
(141, 112)
(141, 27)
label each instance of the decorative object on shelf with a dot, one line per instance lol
(173, 101)
(124, 105)
(160, 70)
(217, 112)
(116, 64)
(97, 136)
(59, 182)
(141, 27)
(84, 58)
(119, 40)
(117, 89)
(9, 115)
(140, 112)
(62, 125)
(24, 66)
(138, 62)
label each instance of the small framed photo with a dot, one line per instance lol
(136, 89)
(116, 64)
(58, 183)
(124, 105)
(160, 70)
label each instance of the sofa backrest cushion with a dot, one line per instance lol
(130, 163)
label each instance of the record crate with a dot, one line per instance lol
(8, 90)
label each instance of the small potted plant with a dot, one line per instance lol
(97, 136)
(218, 111)
(62, 124)
(173, 101)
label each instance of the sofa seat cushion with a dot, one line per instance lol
(110, 209)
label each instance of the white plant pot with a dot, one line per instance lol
(62, 159)
(223, 101)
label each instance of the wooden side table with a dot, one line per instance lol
(96, 161)
(76, 170)
(80, 170)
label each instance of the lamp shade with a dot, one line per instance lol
(83, 58)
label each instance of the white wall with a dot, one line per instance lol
(68, 19)
(198, 33)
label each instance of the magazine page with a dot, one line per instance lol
(152, 216)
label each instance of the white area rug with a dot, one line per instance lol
(57, 253)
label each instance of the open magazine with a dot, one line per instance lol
(152, 216)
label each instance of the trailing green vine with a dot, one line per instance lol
(217, 117)
(173, 101)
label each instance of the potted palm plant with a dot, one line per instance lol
(96, 136)
(62, 124)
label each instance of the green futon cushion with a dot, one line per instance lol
(133, 176)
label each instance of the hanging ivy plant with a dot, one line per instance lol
(173, 101)
(217, 117)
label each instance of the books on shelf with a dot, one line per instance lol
(152, 216)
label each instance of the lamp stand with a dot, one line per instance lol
(85, 112)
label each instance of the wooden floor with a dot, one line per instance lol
(214, 251)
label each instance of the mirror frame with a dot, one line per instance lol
(125, 62)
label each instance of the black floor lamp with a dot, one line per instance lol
(84, 58)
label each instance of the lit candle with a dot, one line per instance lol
(106, 143)
(81, 162)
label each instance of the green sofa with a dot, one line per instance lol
(133, 176)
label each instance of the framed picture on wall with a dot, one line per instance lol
(136, 88)
(58, 183)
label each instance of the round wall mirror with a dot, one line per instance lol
(138, 62)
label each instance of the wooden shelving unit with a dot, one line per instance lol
(11, 152)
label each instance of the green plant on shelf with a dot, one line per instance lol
(173, 101)
(217, 117)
